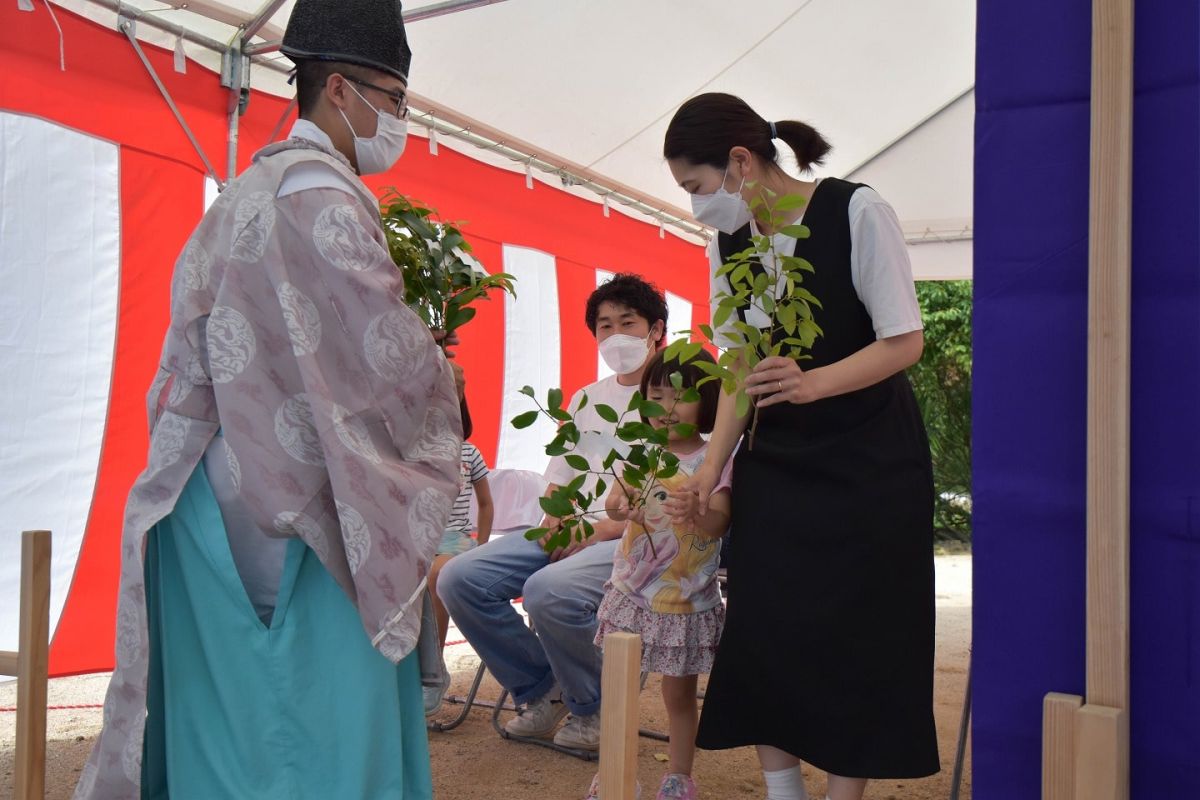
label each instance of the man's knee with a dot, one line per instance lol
(453, 581)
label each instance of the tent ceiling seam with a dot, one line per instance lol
(928, 119)
(707, 83)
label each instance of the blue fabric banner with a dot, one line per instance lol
(1031, 214)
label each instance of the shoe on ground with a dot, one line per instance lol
(580, 733)
(434, 695)
(675, 786)
(594, 789)
(539, 718)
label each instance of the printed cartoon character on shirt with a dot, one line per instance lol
(676, 575)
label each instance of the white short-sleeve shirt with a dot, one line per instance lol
(598, 435)
(879, 269)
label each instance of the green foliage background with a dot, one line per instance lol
(942, 382)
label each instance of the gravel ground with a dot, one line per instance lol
(473, 763)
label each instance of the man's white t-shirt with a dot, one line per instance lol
(598, 435)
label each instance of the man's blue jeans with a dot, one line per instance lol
(561, 599)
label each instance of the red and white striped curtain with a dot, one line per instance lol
(99, 189)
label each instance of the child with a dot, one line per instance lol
(664, 579)
(457, 538)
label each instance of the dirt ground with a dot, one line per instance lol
(473, 763)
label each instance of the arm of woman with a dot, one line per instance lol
(781, 380)
(727, 430)
(487, 510)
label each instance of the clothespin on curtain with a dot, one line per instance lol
(180, 56)
(606, 208)
(529, 173)
(433, 142)
(25, 5)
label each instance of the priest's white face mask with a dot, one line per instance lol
(378, 153)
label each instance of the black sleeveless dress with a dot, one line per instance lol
(827, 652)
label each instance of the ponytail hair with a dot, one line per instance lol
(708, 126)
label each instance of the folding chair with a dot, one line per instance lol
(29, 664)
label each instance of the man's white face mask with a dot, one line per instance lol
(378, 153)
(624, 353)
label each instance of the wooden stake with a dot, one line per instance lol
(1058, 745)
(33, 658)
(620, 685)
(1101, 753)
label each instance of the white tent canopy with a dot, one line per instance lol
(595, 83)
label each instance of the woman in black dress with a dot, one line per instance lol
(827, 654)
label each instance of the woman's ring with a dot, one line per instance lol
(780, 385)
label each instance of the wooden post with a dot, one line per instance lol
(1058, 745)
(1099, 757)
(33, 657)
(1102, 730)
(1101, 752)
(620, 686)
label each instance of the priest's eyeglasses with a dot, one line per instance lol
(401, 98)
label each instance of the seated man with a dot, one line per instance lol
(557, 669)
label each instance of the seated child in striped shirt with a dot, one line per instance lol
(457, 538)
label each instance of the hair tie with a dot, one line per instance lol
(774, 134)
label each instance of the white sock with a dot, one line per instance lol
(785, 784)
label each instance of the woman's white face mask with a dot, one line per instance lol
(724, 210)
(378, 153)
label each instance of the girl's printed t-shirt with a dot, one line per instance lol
(678, 574)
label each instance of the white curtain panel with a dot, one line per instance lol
(60, 253)
(532, 356)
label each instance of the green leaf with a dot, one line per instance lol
(649, 409)
(606, 413)
(528, 391)
(525, 420)
(556, 506)
(676, 379)
(554, 398)
(578, 462)
(795, 231)
(601, 488)
(743, 404)
(560, 415)
(684, 430)
(790, 202)
(533, 534)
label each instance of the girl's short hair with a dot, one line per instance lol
(467, 427)
(658, 373)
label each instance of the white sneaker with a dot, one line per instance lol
(540, 717)
(433, 695)
(580, 733)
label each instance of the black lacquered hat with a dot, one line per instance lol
(369, 33)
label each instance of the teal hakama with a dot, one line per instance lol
(301, 708)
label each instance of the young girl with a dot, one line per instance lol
(457, 538)
(664, 579)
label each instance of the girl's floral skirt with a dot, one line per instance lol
(672, 644)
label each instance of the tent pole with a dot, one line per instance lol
(127, 27)
(235, 75)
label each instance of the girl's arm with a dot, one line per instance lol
(487, 509)
(617, 504)
(727, 430)
(879, 360)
